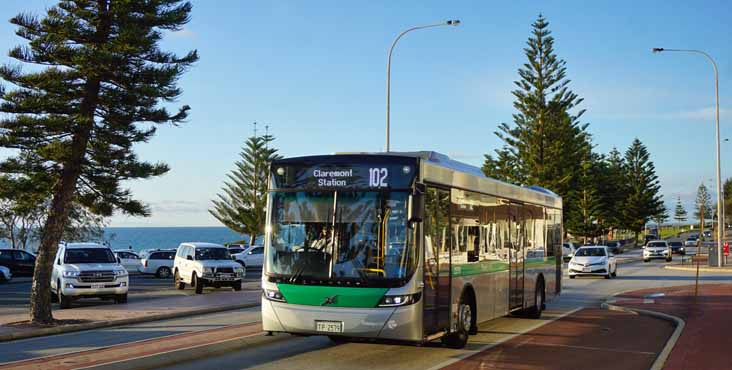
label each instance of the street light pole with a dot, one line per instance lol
(452, 22)
(720, 199)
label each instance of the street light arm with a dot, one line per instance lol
(452, 22)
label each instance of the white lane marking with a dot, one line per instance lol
(648, 301)
(491, 345)
(593, 348)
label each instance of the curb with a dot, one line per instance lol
(701, 269)
(176, 356)
(106, 324)
(680, 324)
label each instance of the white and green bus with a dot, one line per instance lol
(403, 246)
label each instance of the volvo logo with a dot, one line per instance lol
(329, 300)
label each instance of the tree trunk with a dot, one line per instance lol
(65, 188)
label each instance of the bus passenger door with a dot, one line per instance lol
(516, 259)
(436, 279)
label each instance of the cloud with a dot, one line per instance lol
(184, 33)
(699, 114)
(178, 206)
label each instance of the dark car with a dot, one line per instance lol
(20, 263)
(614, 247)
(677, 247)
(648, 238)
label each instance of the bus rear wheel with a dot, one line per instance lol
(459, 338)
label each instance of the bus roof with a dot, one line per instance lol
(544, 196)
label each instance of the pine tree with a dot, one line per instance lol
(546, 143)
(703, 201)
(679, 213)
(661, 216)
(586, 216)
(96, 89)
(642, 200)
(613, 189)
(241, 206)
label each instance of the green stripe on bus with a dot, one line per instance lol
(486, 267)
(316, 295)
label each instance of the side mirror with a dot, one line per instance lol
(415, 204)
(189, 257)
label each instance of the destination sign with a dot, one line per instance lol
(343, 176)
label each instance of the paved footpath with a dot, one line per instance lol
(590, 338)
(705, 341)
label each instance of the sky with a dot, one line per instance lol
(315, 71)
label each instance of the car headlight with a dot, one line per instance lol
(120, 273)
(208, 270)
(71, 274)
(274, 295)
(399, 300)
(238, 271)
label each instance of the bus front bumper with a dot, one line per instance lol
(400, 323)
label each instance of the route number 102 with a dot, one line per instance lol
(377, 177)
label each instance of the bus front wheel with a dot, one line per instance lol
(459, 338)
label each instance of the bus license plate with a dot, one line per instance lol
(329, 326)
(97, 286)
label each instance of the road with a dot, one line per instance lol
(14, 297)
(290, 352)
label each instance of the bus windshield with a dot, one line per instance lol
(354, 238)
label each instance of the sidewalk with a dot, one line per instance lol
(704, 343)
(590, 338)
(14, 326)
(690, 266)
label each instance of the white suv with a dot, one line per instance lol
(83, 270)
(206, 264)
(657, 249)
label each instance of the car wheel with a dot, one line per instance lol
(669, 259)
(2, 278)
(237, 286)
(459, 338)
(120, 298)
(64, 302)
(615, 271)
(197, 283)
(645, 260)
(572, 276)
(163, 272)
(179, 283)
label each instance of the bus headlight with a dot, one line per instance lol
(399, 300)
(274, 295)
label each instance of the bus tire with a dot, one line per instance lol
(459, 338)
(535, 311)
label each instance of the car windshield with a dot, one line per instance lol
(676, 244)
(590, 252)
(204, 254)
(235, 250)
(345, 236)
(657, 245)
(89, 255)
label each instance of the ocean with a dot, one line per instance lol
(141, 238)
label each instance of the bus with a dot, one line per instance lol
(403, 246)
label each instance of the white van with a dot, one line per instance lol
(206, 264)
(83, 270)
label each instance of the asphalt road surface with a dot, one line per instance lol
(14, 297)
(291, 352)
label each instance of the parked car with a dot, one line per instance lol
(251, 257)
(158, 262)
(84, 270)
(5, 274)
(677, 247)
(596, 260)
(19, 262)
(236, 248)
(205, 264)
(130, 260)
(614, 246)
(657, 249)
(692, 240)
(568, 250)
